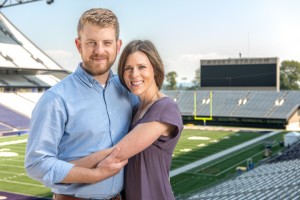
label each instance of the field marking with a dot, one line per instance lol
(8, 154)
(13, 142)
(198, 138)
(6, 172)
(13, 166)
(22, 183)
(15, 176)
(12, 159)
(219, 155)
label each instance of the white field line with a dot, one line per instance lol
(22, 167)
(14, 176)
(13, 142)
(12, 166)
(21, 183)
(6, 172)
(16, 148)
(12, 160)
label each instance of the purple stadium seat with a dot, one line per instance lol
(13, 119)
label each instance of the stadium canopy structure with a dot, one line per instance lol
(25, 72)
(23, 64)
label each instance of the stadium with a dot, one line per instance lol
(239, 142)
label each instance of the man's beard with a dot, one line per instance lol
(96, 69)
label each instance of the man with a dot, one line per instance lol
(86, 112)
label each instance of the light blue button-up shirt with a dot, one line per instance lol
(73, 119)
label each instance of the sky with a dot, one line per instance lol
(184, 31)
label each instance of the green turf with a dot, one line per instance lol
(211, 173)
(13, 177)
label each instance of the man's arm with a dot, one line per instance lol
(41, 161)
(45, 132)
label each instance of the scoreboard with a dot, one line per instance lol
(242, 73)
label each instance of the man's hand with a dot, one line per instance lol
(111, 165)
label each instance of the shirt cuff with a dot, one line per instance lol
(57, 173)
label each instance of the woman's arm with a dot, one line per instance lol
(106, 168)
(138, 139)
(141, 137)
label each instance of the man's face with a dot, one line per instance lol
(98, 48)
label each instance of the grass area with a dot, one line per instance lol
(197, 144)
(13, 177)
(211, 173)
(193, 145)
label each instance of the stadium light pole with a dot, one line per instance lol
(10, 3)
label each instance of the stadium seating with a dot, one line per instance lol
(11, 120)
(5, 127)
(18, 103)
(259, 104)
(243, 104)
(279, 180)
(291, 153)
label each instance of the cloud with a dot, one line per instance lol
(186, 64)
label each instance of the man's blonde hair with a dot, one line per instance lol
(101, 17)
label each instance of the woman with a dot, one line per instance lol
(155, 128)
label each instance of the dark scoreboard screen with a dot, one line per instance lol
(239, 75)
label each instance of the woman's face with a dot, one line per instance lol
(139, 74)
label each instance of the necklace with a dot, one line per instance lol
(144, 107)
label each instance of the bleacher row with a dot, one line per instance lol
(291, 153)
(15, 110)
(260, 104)
(279, 180)
(248, 104)
(28, 80)
(11, 120)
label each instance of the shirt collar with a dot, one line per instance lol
(87, 78)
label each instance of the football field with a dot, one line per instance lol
(193, 145)
(12, 173)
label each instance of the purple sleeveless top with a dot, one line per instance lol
(147, 173)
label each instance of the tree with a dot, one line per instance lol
(171, 79)
(196, 81)
(290, 75)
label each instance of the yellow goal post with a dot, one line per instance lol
(204, 119)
